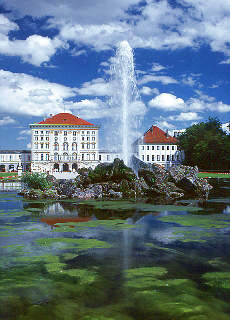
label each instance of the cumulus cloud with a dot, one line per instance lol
(154, 78)
(190, 24)
(186, 116)
(35, 49)
(96, 87)
(147, 91)
(6, 120)
(167, 101)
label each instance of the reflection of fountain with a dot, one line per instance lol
(125, 95)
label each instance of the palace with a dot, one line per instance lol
(64, 142)
(157, 146)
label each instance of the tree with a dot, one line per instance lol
(206, 145)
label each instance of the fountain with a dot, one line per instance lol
(125, 97)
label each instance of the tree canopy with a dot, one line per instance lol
(206, 145)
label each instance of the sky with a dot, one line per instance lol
(56, 56)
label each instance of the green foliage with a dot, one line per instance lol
(36, 180)
(206, 145)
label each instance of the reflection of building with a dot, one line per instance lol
(64, 142)
(10, 160)
(157, 146)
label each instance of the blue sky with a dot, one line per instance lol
(56, 56)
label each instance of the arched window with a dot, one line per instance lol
(55, 156)
(65, 146)
(74, 156)
(74, 146)
(65, 156)
(56, 146)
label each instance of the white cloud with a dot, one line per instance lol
(157, 67)
(159, 25)
(167, 101)
(6, 120)
(186, 116)
(153, 78)
(23, 134)
(35, 49)
(96, 87)
(149, 91)
(164, 125)
(227, 61)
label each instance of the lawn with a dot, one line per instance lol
(213, 175)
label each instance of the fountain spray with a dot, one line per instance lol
(125, 95)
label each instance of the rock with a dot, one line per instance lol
(66, 187)
(114, 195)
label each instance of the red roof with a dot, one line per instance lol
(66, 118)
(156, 135)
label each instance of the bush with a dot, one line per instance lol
(36, 180)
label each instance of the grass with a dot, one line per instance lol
(8, 174)
(213, 175)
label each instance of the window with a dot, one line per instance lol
(47, 156)
(93, 146)
(152, 157)
(65, 146)
(55, 156)
(56, 133)
(36, 138)
(152, 147)
(74, 133)
(74, 138)
(167, 147)
(47, 132)
(65, 139)
(93, 138)
(88, 132)
(41, 132)
(47, 145)
(88, 146)
(83, 132)
(162, 148)
(147, 157)
(158, 158)
(178, 157)
(94, 156)
(82, 156)
(41, 138)
(56, 146)
(88, 156)
(74, 156)
(88, 138)
(65, 156)
(65, 133)
(41, 156)
(83, 146)
(143, 158)
(143, 147)
(163, 158)
(74, 146)
(36, 132)
(42, 145)
(99, 157)
(82, 138)
(47, 138)
(147, 147)
(36, 146)
(172, 157)
(172, 147)
(93, 132)
(108, 157)
(168, 158)
(158, 147)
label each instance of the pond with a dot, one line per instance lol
(114, 260)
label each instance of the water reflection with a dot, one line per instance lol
(10, 186)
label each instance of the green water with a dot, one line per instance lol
(114, 260)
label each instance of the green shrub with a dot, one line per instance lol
(36, 180)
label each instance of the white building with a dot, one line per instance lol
(10, 160)
(108, 156)
(156, 146)
(64, 142)
(177, 133)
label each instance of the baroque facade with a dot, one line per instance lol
(157, 146)
(64, 142)
(10, 160)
